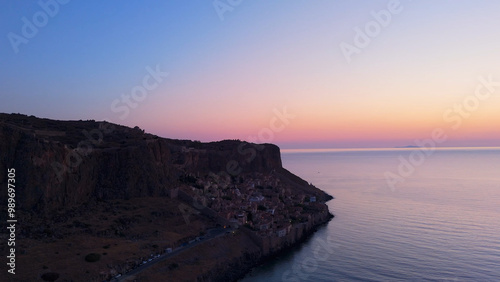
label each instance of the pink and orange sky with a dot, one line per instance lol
(228, 73)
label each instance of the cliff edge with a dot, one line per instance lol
(136, 194)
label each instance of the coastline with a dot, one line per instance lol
(229, 258)
(236, 271)
(171, 194)
(286, 249)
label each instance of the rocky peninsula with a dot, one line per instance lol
(96, 200)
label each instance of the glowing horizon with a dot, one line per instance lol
(226, 78)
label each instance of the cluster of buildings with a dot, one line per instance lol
(259, 201)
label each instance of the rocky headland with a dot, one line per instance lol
(123, 196)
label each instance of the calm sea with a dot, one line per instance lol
(441, 224)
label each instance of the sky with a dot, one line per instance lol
(300, 74)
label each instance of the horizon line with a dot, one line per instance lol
(321, 150)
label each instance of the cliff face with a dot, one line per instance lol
(236, 268)
(122, 188)
(67, 163)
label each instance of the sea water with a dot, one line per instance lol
(439, 222)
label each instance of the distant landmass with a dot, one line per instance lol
(408, 146)
(96, 200)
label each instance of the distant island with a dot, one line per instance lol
(99, 201)
(408, 146)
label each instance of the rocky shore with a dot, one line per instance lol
(238, 268)
(95, 187)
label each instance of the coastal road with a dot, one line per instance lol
(211, 234)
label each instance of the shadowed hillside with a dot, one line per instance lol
(138, 194)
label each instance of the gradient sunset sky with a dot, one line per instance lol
(230, 71)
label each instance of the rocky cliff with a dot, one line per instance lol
(87, 187)
(68, 163)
